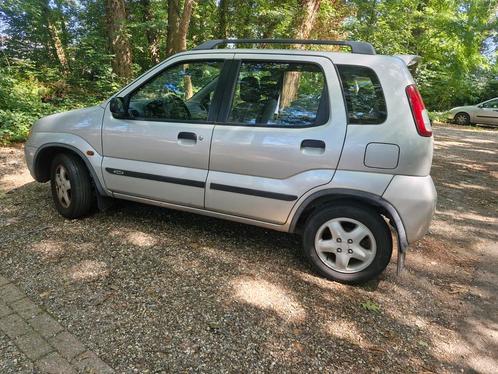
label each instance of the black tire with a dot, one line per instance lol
(462, 118)
(364, 215)
(81, 194)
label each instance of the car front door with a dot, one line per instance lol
(160, 150)
(281, 135)
(487, 112)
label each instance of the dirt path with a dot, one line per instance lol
(466, 174)
(150, 289)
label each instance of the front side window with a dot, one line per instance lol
(181, 92)
(279, 94)
(363, 93)
(491, 104)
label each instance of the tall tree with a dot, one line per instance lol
(55, 25)
(178, 25)
(118, 39)
(222, 19)
(305, 18)
(303, 24)
(151, 34)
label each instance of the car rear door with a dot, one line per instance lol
(160, 151)
(280, 135)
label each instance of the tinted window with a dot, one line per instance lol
(180, 92)
(279, 94)
(363, 94)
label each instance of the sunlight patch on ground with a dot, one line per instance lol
(266, 295)
(137, 238)
(345, 330)
(468, 217)
(11, 181)
(87, 270)
(48, 248)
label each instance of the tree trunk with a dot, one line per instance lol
(55, 37)
(150, 33)
(173, 19)
(304, 21)
(178, 25)
(187, 85)
(222, 19)
(118, 39)
(308, 10)
(184, 25)
(59, 49)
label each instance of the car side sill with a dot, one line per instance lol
(204, 212)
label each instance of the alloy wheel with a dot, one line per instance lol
(345, 245)
(63, 186)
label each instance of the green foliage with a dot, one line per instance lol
(24, 99)
(448, 34)
(371, 306)
(19, 105)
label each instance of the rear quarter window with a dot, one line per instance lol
(365, 102)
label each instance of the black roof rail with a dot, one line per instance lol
(356, 47)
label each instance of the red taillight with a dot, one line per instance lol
(420, 114)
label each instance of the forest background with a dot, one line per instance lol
(58, 55)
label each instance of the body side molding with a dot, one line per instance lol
(252, 192)
(155, 177)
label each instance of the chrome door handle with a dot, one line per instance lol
(187, 138)
(312, 147)
(312, 143)
(187, 135)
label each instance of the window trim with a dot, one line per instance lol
(338, 66)
(232, 83)
(216, 102)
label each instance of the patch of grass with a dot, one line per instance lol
(371, 306)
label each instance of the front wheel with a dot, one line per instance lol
(71, 186)
(348, 244)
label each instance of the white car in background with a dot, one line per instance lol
(485, 113)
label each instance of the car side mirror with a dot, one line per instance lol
(480, 106)
(117, 107)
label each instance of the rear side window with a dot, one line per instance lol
(279, 94)
(363, 93)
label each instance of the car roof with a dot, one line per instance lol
(336, 57)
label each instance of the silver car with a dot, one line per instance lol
(485, 113)
(334, 146)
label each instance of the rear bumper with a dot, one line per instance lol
(414, 198)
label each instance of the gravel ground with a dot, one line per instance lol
(154, 290)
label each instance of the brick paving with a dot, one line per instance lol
(43, 341)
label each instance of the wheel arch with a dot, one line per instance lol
(45, 154)
(345, 196)
(463, 112)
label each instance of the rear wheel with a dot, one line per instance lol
(71, 186)
(462, 119)
(348, 244)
